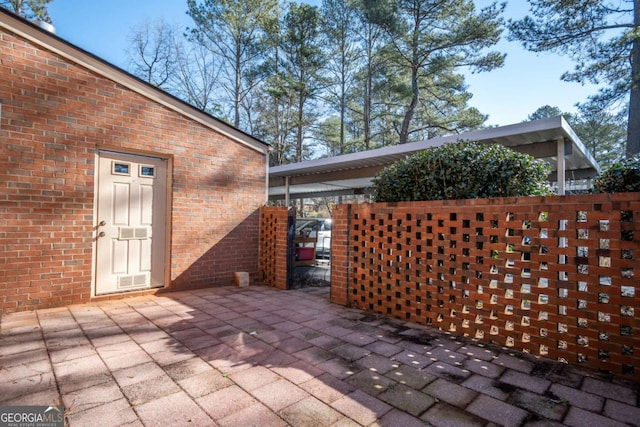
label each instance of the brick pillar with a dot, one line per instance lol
(273, 246)
(340, 240)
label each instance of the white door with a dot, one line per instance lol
(131, 222)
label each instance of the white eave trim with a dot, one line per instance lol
(111, 72)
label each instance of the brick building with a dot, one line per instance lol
(109, 186)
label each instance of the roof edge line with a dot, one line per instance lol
(85, 59)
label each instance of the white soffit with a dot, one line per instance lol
(352, 173)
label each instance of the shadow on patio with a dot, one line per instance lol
(259, 356)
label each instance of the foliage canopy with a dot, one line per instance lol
(463, 170)
(621, 177)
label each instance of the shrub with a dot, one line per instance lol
(620, 177)
(464, 170)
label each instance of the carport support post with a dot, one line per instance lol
(286, 191)
(561, 166)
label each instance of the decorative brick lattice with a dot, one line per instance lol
(555, 277)
(273, 246)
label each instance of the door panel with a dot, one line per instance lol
(131, 222)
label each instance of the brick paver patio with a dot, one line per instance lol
(262, 357)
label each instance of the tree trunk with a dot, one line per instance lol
(368, 89)
(408, 115)
(238, 83)
(300, 127)
(633, 126)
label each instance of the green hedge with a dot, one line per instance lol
(464, 170)
(622, 176)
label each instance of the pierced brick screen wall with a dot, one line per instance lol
(273, 246)
(555, 277)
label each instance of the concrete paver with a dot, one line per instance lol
(310, 412)
(527, 382)
(407, 399)
(453, 394)
(539, 404)
(611, 391)
(578, 398)
(497, 411)
(412, 377)
(259, 356)
(485, 386)
(443, 415)
(172, 410)
(580, 418)
(483, 367)
(361, 407)
(622, 412)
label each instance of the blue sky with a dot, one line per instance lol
(508, 95)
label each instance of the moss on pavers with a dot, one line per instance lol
(545, 406)
(486, 386)
(524, 381)
(187, 368)
(578, 398)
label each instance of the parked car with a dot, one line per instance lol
(320, 228)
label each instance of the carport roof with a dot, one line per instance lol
(352, 173)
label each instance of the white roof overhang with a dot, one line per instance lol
(352, 173)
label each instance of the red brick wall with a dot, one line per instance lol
(273, 245)
(555, 277)
(54, 115)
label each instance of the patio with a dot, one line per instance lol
(260, 356)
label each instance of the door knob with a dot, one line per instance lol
(102, 223)
(102, 234)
